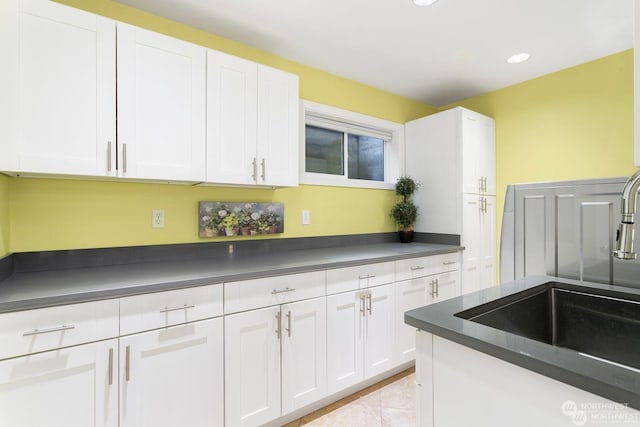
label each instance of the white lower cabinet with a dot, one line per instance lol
(275, 361)
(422, 289)
(304, 353)
(360, 335)
(173, 376)
(75, 386)
(410, 294)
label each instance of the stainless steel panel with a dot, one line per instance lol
(564, 229)
(534, 224)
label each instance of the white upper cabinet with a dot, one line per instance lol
(277, 150)
(161, 107)
(232, 94)
(57, 109)
(478, 153)
(457, 147)
(252, 123)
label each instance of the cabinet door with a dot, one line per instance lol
(57, 109)
(173, 376)
(470, 239)
(231, 119)
(409, 294)
(379, 351)
(487, 153)
(75, 386)
(345, 323)
(161, 106)
(447, 286)
(488, 242)
(252, 367)
(277, 149)
(304, 353)
(471, 150)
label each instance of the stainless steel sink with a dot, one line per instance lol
(600, 323)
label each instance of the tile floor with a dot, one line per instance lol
(390, 403)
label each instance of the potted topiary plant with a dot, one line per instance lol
(405, 212)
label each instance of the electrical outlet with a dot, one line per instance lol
(157, 218)
(306, 217)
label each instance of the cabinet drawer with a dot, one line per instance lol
(413, 268)
(360, 276)
(163, 309)
(445, 262)
(250, 294)
(33, 331)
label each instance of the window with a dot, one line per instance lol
(349, 149)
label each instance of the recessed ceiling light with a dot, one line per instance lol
(518, 58)
(424, 2)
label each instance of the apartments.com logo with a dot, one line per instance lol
(599, 413)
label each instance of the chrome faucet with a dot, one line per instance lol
(624, 239)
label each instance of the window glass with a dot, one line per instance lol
(365, 157)
(324, 151)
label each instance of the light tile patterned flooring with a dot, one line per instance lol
(390, 403)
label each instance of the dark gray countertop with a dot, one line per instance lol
(29, 290)
(617, 383)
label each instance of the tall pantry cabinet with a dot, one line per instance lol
(451, 155)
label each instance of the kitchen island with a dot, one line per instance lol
(472, 374)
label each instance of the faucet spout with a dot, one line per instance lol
(624, 239)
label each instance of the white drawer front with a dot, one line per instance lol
(251, 294)
(445, 262)
(163, 309)
(33, 331)
(359, 277)
(412, 268)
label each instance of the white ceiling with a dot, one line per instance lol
(452, 50)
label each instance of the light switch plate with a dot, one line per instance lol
(306, 217)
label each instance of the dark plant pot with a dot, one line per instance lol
(406, 236)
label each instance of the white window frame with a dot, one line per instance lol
(393, 150)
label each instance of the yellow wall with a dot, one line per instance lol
(573, 124)
(4, 216)
(48, 214)
(52, 214)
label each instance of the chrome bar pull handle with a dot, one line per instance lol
(289, 323)
(110, 366)
(47, 330)
(433, 289)
(279, 324)
(127, 363)
(437, 288)
(362, 305)
(282, 291)
(417, 268)
(370, 304)
(448, 262)
(264, 169)
(108, 156)
(254, 167)
(124, 158)
(184, 307)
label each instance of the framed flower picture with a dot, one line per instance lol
(239, 219)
